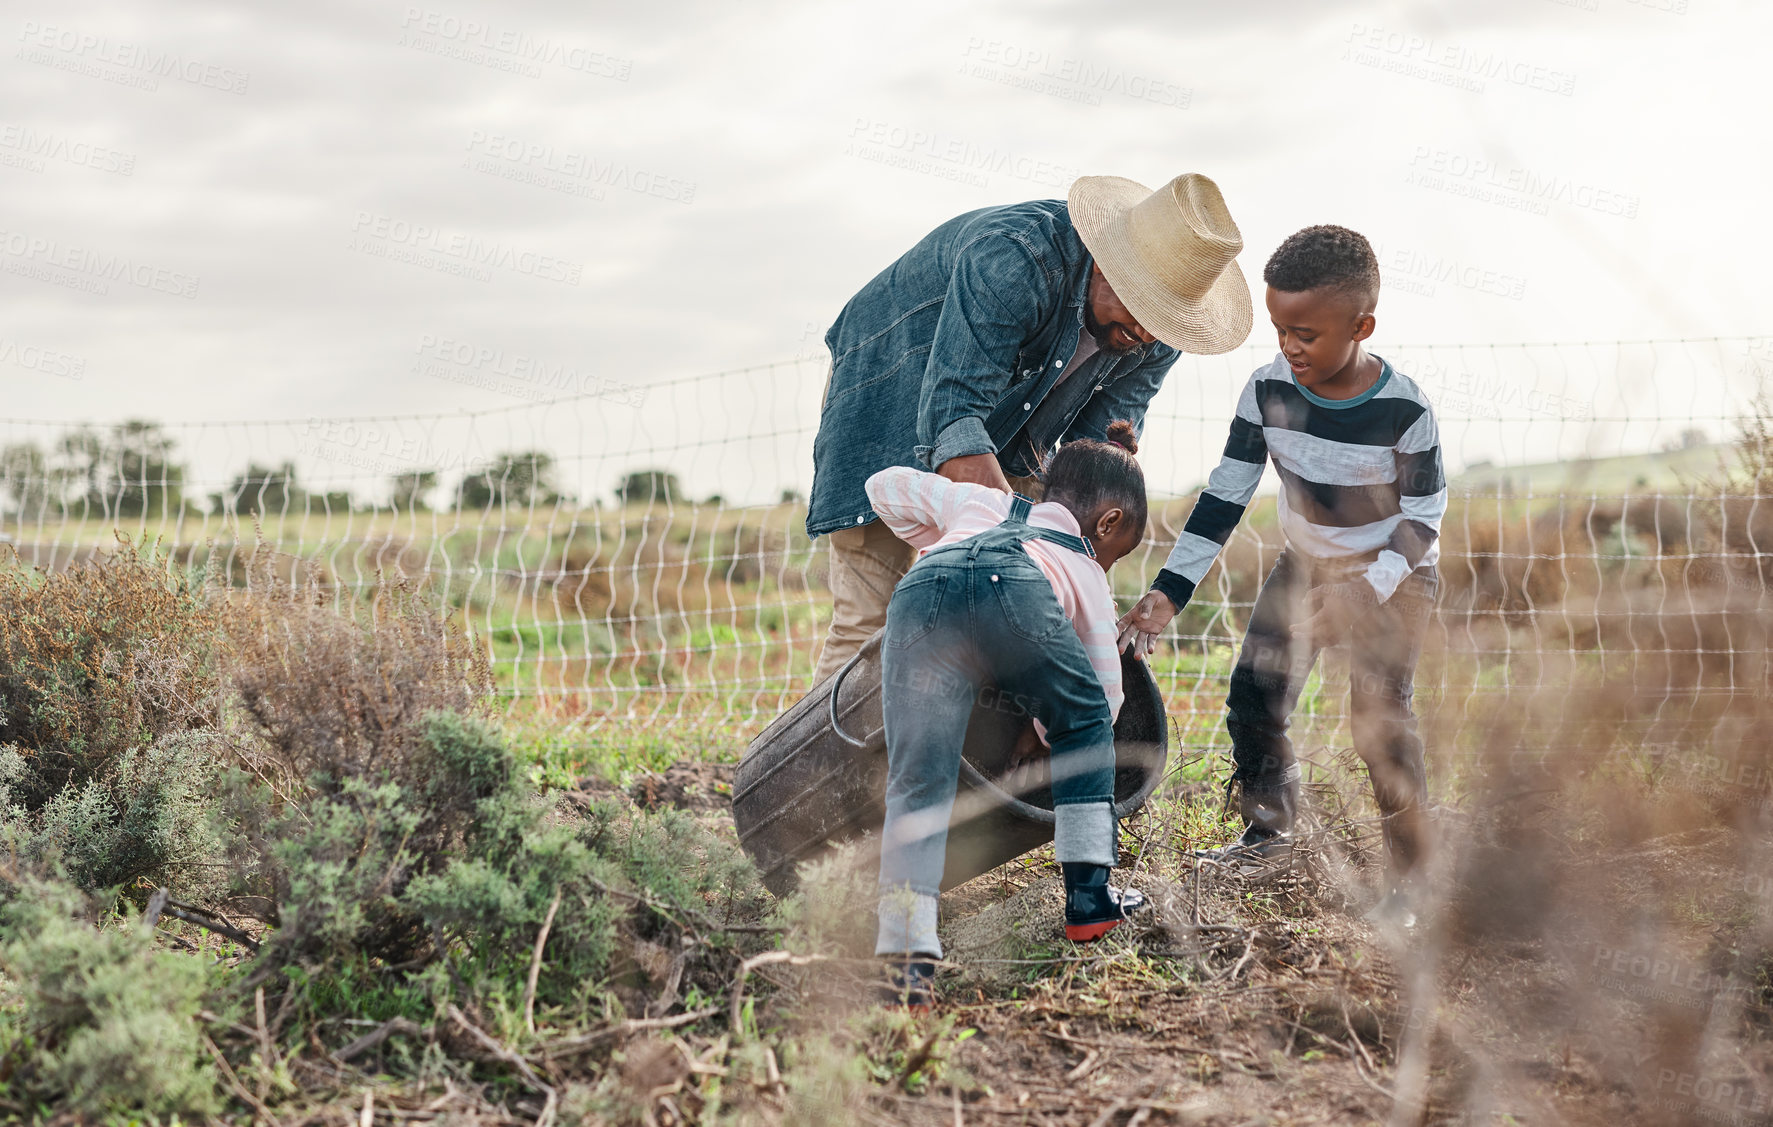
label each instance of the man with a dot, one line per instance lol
(1005, 332)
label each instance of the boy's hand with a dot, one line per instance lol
(980, 469)
(1140, 626)
(1335, 608)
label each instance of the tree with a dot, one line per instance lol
(261, 489)
(140, 477)
(77, 470)
(649, 487)
(126, 473)
(524, 477)
(25, 470)
(411, 488)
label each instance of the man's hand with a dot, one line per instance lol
(980, 469)
(1335, 608)
(1029, 746)
(1140, 626)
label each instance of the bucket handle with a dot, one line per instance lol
(836, 686)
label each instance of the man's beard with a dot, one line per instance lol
(1101, 332)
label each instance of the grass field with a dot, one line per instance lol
(477, 865)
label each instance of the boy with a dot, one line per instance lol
(1358, 452)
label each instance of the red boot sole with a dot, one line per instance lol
(1084, 933)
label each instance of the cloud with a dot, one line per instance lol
(655, 191)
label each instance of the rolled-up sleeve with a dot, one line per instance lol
(997, 296)
(962, 437)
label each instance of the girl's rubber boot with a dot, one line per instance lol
(910, 983)
(1092, 907)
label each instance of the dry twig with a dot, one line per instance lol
(381, 1033)
(768, 958)
(535, 965)
(498, 1050)
(586, 1040)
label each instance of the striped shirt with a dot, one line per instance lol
(1359, 477)
(928, 511)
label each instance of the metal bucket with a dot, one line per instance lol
(817, 775)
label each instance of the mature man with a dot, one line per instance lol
(1005, 332)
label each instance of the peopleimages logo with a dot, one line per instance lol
(127, 64)
(515, 373)
(1512, 186)
(440, 33)
(1448, 64)
(956, 158)
(45, 360)
(573, 173)
(1408, 264)
(1066, 77)
(384, 236)
(79, 268)
(36, 145)
(371, 447)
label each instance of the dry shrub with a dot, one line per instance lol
(1608, 931)
(347, 710)
(111, 685)
(108, 656)
(336, 698)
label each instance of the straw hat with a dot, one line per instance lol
(1170, 256)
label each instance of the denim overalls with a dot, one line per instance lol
(973, 617)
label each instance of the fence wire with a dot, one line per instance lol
(635, 554)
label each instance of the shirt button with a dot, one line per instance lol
(1058, 363)
(1027, 406)
(994, 579)
(861, 520)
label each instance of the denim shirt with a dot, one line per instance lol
(954, 349)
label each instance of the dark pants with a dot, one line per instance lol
(1384, 645)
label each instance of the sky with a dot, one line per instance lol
(293, 212)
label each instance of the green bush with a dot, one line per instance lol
(353, 883)
(108, 1022)
(340, 863)
(152, 817)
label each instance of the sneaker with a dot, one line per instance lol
(1257, 847)
(1397, 910)
(910, 983)
(1122, 903)
(1093, 907)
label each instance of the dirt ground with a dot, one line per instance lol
(1627, 987)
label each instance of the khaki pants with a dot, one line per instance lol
(866, 564)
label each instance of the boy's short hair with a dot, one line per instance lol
(1325, 255)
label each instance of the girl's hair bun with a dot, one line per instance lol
(1122, 434)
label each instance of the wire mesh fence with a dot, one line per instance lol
(636, 554)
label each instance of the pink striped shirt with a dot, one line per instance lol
(928, 511)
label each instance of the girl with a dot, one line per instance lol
(1014, 596)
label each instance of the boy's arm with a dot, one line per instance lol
(1422, 495)
(1216, 513)
(919, 506)
(1220, 505)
